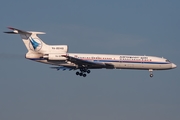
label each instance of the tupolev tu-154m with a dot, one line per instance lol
(59, 56)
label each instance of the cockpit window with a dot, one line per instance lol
(167, 61)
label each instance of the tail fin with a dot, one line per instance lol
(31, 40)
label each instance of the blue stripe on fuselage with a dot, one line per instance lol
(142, 62)
(138, 62)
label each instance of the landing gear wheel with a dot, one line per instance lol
(151, 75)
(81, 69)
(80, 74)
(151, 72)
(84, 70)
(88, 71)
(84, 75)
(77, 73)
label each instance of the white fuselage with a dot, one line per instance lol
(118, 61)
(58, 55)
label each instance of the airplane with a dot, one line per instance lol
(59, 56)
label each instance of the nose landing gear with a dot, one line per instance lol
(151, 72)
(151, 75)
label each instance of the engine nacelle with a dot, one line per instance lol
(30, 55)
(55, 57)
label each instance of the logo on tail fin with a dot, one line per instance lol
(35, 45)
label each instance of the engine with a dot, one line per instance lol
(55, 57)
(55, 52)
(30, 55)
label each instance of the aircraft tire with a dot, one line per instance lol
(84, 75)
(88, 71)
(81, 69)
(80, 74)
(77, 73)
(151, 75)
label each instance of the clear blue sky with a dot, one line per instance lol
(33, 91)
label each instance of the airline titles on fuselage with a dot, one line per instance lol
(137, 58)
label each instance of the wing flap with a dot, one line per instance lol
(63, 68)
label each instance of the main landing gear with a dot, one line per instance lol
(83, 72)
(151, 72)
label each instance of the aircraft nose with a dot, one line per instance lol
(173, 65)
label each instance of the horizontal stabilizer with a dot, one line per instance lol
(17, 31)
(10, 32)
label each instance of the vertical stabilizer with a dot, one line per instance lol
(32, 42)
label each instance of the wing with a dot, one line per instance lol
(88, 63)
